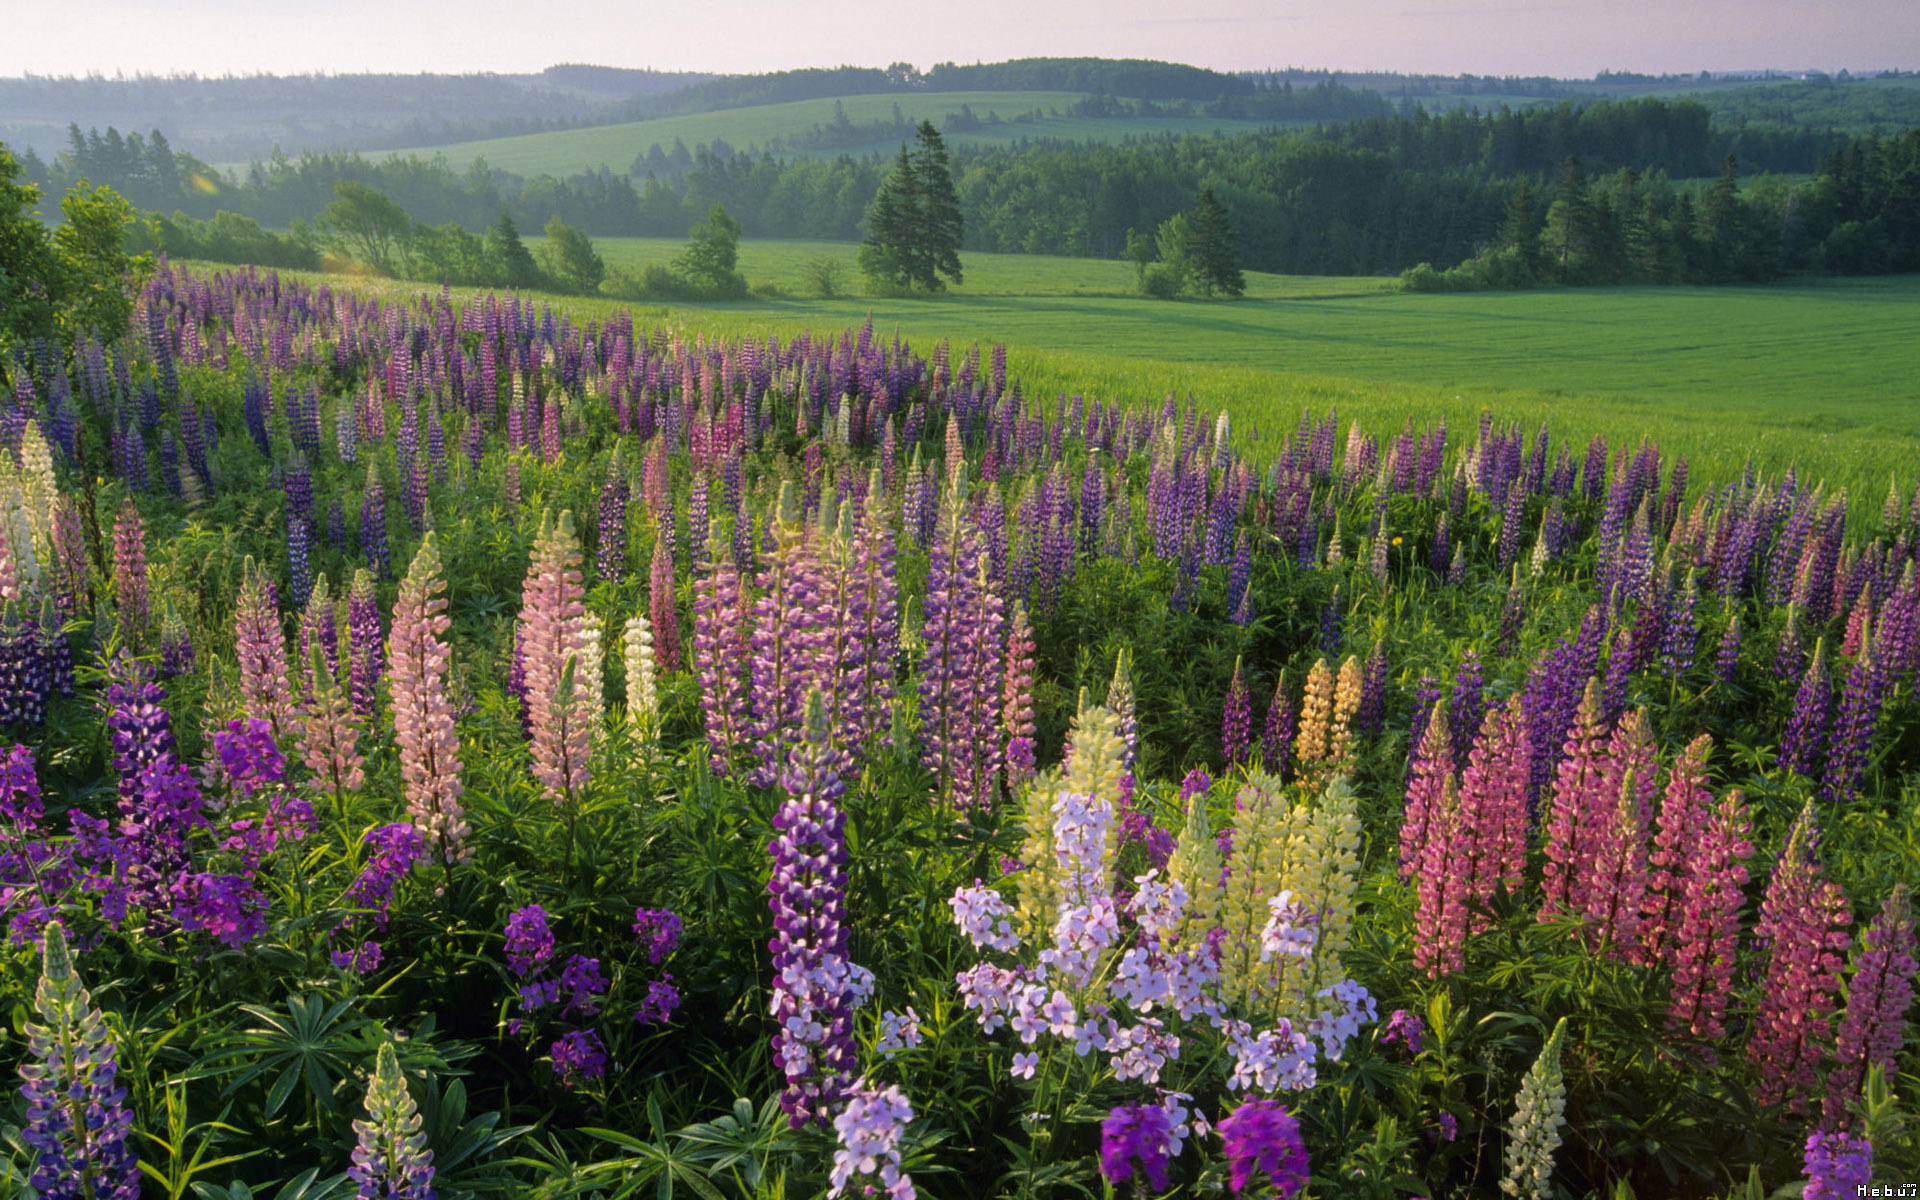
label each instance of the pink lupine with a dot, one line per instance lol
(423, 728)
(1441, 868)
(1619, 890)
(662, 609)
(1879, 992)
(1579, 791)
(870, 689)
(1685, 810)
(553, 616)
(330, 735)
(1803, 922)
(130, 566)
(721, 650)
(1493, 803)
(1017, 698)
(1432, 769)
(1706, 923)
(260, 645)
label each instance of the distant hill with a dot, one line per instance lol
(245, 117)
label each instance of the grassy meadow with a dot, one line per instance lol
(614, 146)
(1820, 373)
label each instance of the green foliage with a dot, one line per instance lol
(80, 279)
(1210, 248)
(570, 260)
(823, 277)
(914, 226)
(367, 225)
(709, 263)
(508, 260)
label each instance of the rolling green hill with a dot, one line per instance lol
(615, 147)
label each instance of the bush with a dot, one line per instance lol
(824, 277)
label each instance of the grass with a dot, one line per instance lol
(1822, 373)
(570, 151)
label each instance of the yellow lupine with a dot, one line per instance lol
(1316, 713)
(1346, 702)
(1195, 865)
(1261, 832)
(1322, 870)
(1094, 768)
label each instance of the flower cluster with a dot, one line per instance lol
(869, 1129)
(391, 1160)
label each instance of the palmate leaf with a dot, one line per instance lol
(310, 1040)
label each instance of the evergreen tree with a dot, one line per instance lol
(1518, 232)
(886, 256)
(508, 259)
(1570, 220)
(941, 226)
(1210, 248)
(914, 226)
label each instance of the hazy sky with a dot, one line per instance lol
(1486, 37)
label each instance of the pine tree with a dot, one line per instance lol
(1570, 220)
(914, 226)
(941, 225)
(1210, 247)
(508, 257)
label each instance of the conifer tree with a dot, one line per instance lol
(914, 226)
(1210, 247)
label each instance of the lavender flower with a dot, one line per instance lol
(391, 1161)
(77, 1120)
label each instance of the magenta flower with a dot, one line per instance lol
(1803, 923)
(1138, 1139)
(1879, 992)
(1262, 1137)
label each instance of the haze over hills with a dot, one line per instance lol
(242, 118)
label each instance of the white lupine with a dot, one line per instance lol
(643, 694)
(1534, 1133)
(589, 677)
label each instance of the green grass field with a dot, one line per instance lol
(1823, 373)
(570, 151)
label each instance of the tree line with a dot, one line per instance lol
(1375, 196)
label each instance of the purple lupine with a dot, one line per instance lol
(1681, 634)
(1330, 620)
(1236, 720)
(816, 984)
(1803, 739)
(1466, 706)
(960, 674)
(1371, 714)
(366, 641)
(77, 1121)
(1853, 725)
(130, 567)
(391, 1160)
(1879, 992)
(373, 526)
(1277, 736)
(611, 559)
(721, 652)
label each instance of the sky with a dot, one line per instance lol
(1566, 38)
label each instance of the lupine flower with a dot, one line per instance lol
(1137, 1139)
(393, 850)
(1261, 1136)
(1236, 720)
(261, 648)
(869, 1129)
(1853, 727)
(366, 641)
(391, 1160)
(1706, 929)
(611, 561)
(1685, 810)
(816, 984)
(1579, 801)
(1017, 699)
(552, 623)
(373, 526)
(1534, 1133)
(660, 598)
(1839, 1166)
(130, 566)
(77, 1120)
(1879, 992)
(1277, 736)
(1804, 738)
(330, 736)
(1803, 923)
(1432, 768)
(417, 663)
